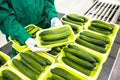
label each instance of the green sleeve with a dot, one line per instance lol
(9, 24)
(50, 9)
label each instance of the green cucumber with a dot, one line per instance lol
(53, 52)
(96, 36)
(101, 24)
(79, 61)
(54, 42)
(58, 49)
(56, 77)
(32, 62)
(29, 28)
(50, 78)
(9, 75)
(73, 26)
(37, 58)
(2, 60)
(80, 53)
(90, 45)
(24, 69)
(76, 47)
(100, 30)
(76, 66)
(77, 17)
(2, 78)
(93, 41)
(29, 66)
(71, 21)
(54, 31)
(53, 37)
(34, 30)
(63, 73)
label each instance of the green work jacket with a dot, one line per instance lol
(16, 14)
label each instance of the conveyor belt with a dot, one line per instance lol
(104, 11)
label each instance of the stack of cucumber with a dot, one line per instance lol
(32, 29)
(101, 27)
(79, 59)
(75, 21)
(55, 50)
(31, 64)
(94, 41)
(54, 36)
(9, 75)
(2, 60)
(61, 74)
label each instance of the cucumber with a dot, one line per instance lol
(50, 78)
(37, 58)
(71, 21)
(53, 37)
(58, 49)
(94, 41)
(2, 78)
(77, 17)
(90, 45)
(73, 26)
(76, 66)
(79, 61)
(34, 30)
(2, 60)
(79, 53)
(9, 75)
(100, 30)
(32, 62)
(56, 77)
(96, 36)
(48, 62)
(63, 73)
(30, 28)
(41, 60)
(54, 42)
(29, 66)
(53, 52)
(24, 69)
(76, 47)
(54, 31)
(101, 24)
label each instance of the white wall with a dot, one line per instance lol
(67, 6)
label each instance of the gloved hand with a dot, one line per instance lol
(32, 44)
(55, 22)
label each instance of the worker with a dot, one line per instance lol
(16, 14)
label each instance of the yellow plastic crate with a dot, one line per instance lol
(16, 45)
(96, 70)
(11, 65)
(71, 38)
(64, 67)
(112, 35)
(107, 48)
(14, 71)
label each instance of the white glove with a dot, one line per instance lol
(55, 22)
(32, 44)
